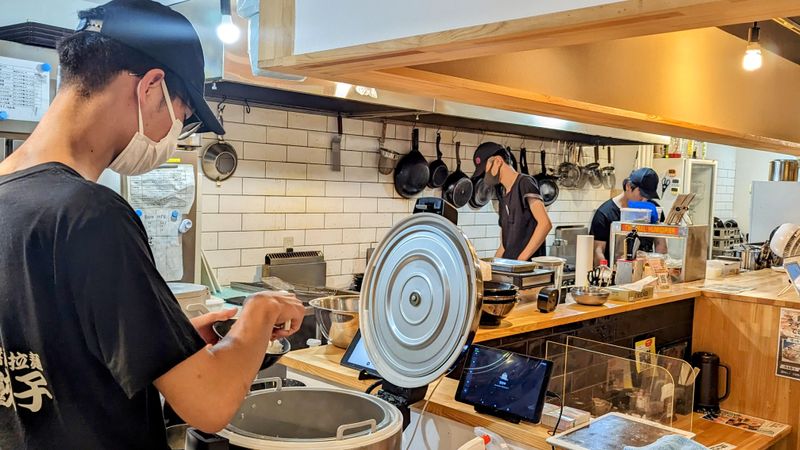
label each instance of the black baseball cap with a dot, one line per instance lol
(646, 179)
(167, 37)
(486, 151)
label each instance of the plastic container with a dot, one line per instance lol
(636, 215)
(215, 304)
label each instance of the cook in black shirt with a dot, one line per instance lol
(524, 222)
(641, 185)
(90, 334)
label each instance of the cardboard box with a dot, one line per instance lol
(624, 295)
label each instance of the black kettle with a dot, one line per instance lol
(706, 388)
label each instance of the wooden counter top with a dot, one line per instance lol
(766, 285)
(527, 317)
(323, 362)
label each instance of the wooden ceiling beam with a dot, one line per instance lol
(617, 20)
(502, 97)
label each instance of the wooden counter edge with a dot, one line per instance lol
(527, 318)
(766, 285)
(323, 362)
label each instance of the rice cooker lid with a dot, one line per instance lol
(420, 300)
(188, 290)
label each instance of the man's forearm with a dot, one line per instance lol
(537, 240)
(222, 373)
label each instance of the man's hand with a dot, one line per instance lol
(223, 372)
(203, 323)
(283, 307)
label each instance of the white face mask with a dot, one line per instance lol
(142, 154)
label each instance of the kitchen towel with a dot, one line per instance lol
(584, 259)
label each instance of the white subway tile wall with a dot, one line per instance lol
(285, 192)
(726, 179)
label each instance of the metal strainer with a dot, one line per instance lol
(388, 158)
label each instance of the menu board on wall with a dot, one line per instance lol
(24, 89)
(789, 344)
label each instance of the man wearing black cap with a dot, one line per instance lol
(89, 331)
(641, 185)
(524, 222)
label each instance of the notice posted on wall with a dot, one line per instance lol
(171, 186)
(165, 242)
(163, 197)
(788, 364)
(24, 89)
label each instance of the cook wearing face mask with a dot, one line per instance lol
(90, 333)
(524, 223)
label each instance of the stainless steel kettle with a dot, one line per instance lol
(706, 388)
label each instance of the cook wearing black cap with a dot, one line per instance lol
(524, 222)
(641, 185)
(90, 333)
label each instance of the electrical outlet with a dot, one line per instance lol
(288, 242)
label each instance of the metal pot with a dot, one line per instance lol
(783, 170)
(313, 418)
(748, 254)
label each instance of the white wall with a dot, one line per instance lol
(284, 189)
(751, 165)
(325, 25)
(60, 13)
(726, 179)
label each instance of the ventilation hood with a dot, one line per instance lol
(242, 81)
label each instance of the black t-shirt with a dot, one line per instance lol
(516, 219)
(601, 226)
(86, 321)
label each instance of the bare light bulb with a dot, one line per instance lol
(752, 59)
(227, 32)
(752, 56)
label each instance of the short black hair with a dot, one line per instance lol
(89, 61)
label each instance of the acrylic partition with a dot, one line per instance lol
(601, 378)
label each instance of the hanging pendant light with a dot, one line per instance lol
(752, 59)
(227, 31)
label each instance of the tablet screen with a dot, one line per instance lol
(793, 270)
(505, 382)
(356, 356)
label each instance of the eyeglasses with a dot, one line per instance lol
(189, 129)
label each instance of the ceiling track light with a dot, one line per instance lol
(227, 31)
(752, 59)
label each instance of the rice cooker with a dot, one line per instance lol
(419, 309)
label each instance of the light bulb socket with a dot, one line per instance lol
(753, 33)
(225, 7)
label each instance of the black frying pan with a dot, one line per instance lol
(437, 168)
(481, 194)
(547, 183)
(457, 187)
(411, 173)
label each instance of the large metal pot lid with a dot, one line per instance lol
(420, 300)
